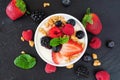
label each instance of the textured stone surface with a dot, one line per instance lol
(11, 45)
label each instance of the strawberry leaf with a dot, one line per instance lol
(25, 61)
(21, 5)
(87, 18)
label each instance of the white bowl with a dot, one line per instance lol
(44, 53)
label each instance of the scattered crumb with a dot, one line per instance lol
(70, 66)
(31, 43)
(96, 63)
(22, 39)
(46, 4)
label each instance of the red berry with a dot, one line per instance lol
(68, 29)
(102, 75)
(50, 68)
(27, 35)
(95, 43)
(54, 32)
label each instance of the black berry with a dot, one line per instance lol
(110, 44)
(82, 71)
(71, 21)
(58, 23)
(38, 15)
(45, 41)
(56, 48)
(87, 58)
(80, 34)
(66, 3)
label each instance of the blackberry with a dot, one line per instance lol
(56, 48)
(80, 34)
(71, 21)
(86, 58)
(66, 3)
(110, 44)
(58, 23)
(45, 41)
(82, 71)
(38, 15)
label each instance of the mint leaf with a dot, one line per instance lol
(55, 42)
(21, 5)
(64, 40)
(25, 61)
(87, 18)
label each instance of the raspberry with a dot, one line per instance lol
(54, 32)
(27, 35)
(102, 75)
(49, 68)
(95, 43)
(68, 29)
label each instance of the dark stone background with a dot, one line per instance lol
(11, 45)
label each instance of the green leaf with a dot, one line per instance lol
(87, 18)
(21, 5)
(64, 40)
(25, 61)
(55, 42)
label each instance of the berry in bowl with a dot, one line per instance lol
(60, 40)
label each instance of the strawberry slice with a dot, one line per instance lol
(16, 9)
(71, 48)
(58, 58)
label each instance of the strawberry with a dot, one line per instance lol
(16, 9)
(58, 58)
(71, 48)
(50, 68)
(54, 32)
(92, 23)
(68, 29)
(27, 35)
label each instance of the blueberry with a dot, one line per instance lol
(71, 21)
(38, 15)
(66, 3)
(80, 34)
(58, 23)
(45, 42)
(82, 71)
(110, 44)
(56, 48)
(87, 58)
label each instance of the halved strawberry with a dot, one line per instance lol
(71, 48)
(58, 58)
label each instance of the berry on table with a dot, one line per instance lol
(50, 68)
(82, 71)
(110, 44)
(58, 23)
(38, 15)
(87, 58)
(71, 21)
(80, 34)
(66, 3)
(45, 41)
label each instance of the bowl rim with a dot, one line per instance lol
(86, 40)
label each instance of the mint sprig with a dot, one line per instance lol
(25, 61)
(87, 18)
(21, 5)
(57, 41)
